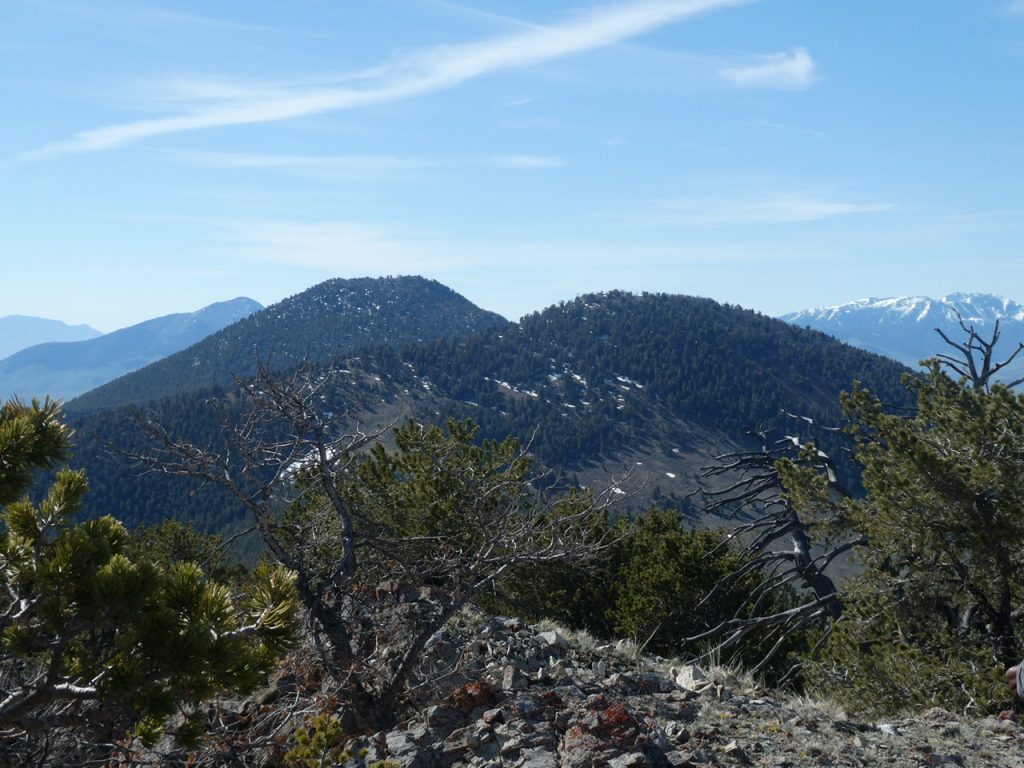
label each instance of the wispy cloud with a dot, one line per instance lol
(767, 209)
(341, 246)
(416, 74)
(1013, 8)
(790, 70)
(360, 166)
(527, 162)
(335, 166)
(364, 247)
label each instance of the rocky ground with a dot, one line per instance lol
(543, 700)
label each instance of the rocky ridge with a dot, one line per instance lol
(539, 697)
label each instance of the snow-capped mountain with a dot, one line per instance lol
(904, 328)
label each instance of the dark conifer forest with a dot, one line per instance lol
(585, 383)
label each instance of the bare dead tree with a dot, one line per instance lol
(794, 548)
(281, 430)
(290, 455)
(974, 359)
(777, 542)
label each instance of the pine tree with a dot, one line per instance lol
(933, 618)
(95, 642)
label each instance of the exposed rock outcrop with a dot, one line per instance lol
(529, 696)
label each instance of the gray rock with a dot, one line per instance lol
(557, 671)
(628, 760)
(420, 734)
(538, 758)
(406, 752)
(441, 716)
(529, 707)
(562, 720)
(512, 747)
(492, 716)
(688, 758)
(399, 742)
(680, 759)
(553, 638)
(513, 679)
(690, 677)
(733, 750)
(676, 731)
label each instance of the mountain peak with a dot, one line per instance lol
(332, 318)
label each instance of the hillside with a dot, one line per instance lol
(69, 368)
(607, 367)
(656, 384)
(315, 326)
(904, 328)
(19, 332)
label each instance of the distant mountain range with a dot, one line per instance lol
(608, 382)
(64, 369)
(904, 328)
(19, 332)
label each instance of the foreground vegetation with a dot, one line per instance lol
(111, 639)
(102, 643)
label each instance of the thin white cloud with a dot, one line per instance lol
(416, 74)
(339, 246)
(359, 166)
(1014, 8)
(335, 166)
(362, 247)
(789, 70)
(527, 162)
(774, 209)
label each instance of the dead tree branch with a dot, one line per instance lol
(433, 524)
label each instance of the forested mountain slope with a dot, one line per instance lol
(329, 319)
(598, 385)
(69, 368)
(604, 364)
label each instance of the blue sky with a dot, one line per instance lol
(777, 154)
